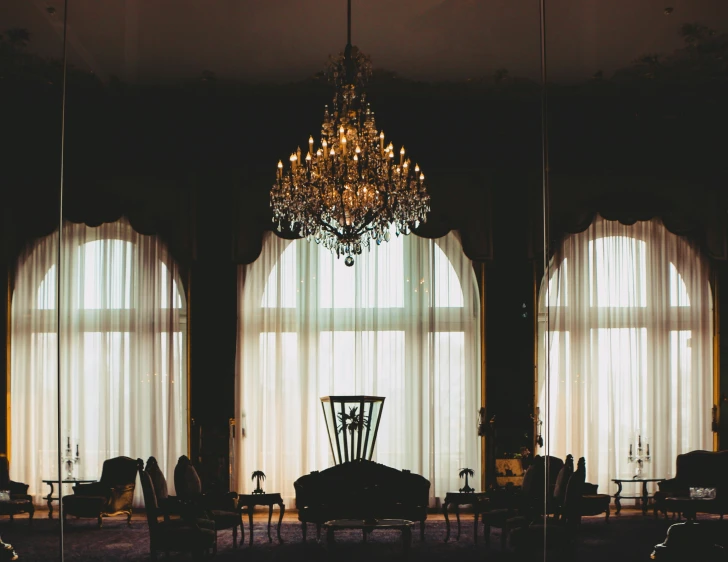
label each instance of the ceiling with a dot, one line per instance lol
(285, 40)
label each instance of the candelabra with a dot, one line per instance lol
(69, 460)
(641, 456)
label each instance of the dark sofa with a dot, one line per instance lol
(361, 489)
(698, 469)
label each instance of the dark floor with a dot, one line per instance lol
(629, 536)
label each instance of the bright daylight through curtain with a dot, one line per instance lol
(402, 323)
(123, 355)
(630, 341)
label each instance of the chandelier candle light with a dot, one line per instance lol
(347, 191)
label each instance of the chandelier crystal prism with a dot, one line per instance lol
(347, 191)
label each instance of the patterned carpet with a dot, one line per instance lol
(628, 537)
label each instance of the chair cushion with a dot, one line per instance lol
(225, 519)
(496, 517)
(13, 506)
(594, 504)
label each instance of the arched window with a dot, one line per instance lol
(123, 352)
(402, 323)
(627, 340)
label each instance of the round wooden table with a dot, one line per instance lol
(645, 497)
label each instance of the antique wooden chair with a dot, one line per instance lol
(218, 507)
(195, 536)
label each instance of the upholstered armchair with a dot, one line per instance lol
(19, 501)
(111, 495)
(219, 507)
(696, 469)
(165, 535)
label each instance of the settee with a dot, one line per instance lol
(361, 489)
(696, 469)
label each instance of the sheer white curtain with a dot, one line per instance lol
(628, 339)
(402, 323)
(123, 353)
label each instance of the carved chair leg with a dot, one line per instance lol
(303, 530)
(214, 545)
(128, 519)
(486, 533)
(100, 521)
(422, 531)
(235, 536)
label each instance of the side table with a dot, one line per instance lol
(249, 501)
(478, 500)
(51, 481)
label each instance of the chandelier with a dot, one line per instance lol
(347, 191)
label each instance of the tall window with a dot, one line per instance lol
(628, 345)
(123, 359)
(401, 323)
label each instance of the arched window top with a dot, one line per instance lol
(616, 275)
(618, 262)
(106, 280)
(678, 290)
(448, 290)
(278, 293)
(381, 278)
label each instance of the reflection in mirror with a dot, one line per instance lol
(33, 69)
(628, 305)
